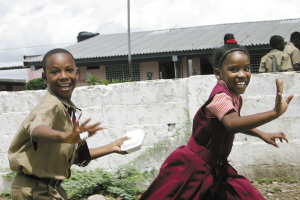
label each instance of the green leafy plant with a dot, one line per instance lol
(35, 84)
(94, 80)
(126, 182)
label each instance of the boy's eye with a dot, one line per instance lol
(54, 72)
(247, 69)
(233, 70)
(70, 70)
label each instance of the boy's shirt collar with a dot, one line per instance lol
(62, 100)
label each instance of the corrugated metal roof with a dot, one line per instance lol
(13, 67)
(181, 39)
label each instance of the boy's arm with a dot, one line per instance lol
(44, 134)
(114, 147)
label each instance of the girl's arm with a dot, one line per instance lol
(44, 134)
(267, 137)
(234, 123)
(114, 147)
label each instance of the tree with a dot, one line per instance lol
(35, 84)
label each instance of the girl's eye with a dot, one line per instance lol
(247, 69)
(233, 70)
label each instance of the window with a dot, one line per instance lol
(255, 61)
(92, 67)
(121, 72)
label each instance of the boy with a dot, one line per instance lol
(292, 49)
(46, 144)
(276, 56)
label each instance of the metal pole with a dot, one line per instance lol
(190, 66)
(129, 46)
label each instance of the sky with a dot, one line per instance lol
(33, 27)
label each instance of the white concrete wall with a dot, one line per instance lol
(160, 107)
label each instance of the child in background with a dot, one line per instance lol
(292, 49)
(46, 144)
(200, 170)
(282, 60)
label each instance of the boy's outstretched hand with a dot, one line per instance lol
(74, 137)
(270, 138)
(280, 104)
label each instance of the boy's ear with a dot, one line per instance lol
(77, 73)
(217, 73)
(44, 77)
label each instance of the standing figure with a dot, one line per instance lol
(292, 49)
(48, 141)
(200, 170)
(276, 60)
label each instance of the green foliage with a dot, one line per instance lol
(126, 182)
(94, 80)
(35, 84)
(281, 179)
(275, 190)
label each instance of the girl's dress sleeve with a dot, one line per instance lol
(219, 106)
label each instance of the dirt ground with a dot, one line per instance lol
(279, 190)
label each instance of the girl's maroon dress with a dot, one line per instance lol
(200, 170)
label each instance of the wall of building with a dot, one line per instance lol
(152, 67)
(164, 110)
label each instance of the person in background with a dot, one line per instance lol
(276, 60)
(50, 139)
(292, 49)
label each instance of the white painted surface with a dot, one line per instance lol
(158, 107)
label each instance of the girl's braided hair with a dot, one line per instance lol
(221, 53)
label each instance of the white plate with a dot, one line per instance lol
(135, 143)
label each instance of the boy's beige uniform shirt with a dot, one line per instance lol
(48, 160)
(283, 61)
(293, 52)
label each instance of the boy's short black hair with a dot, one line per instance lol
(295, 35)
(221, 53)
(54, 51)
(275, 40)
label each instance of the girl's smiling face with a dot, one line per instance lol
(235, 72)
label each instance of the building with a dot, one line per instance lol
(12, 84)
(167, 53)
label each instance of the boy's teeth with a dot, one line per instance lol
(64, 85)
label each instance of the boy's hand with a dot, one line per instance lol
(270, 138)
(74, 137)
(280, 104)
(116, 145)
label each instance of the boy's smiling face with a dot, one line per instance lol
(60, 74)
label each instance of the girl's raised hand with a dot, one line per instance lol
(270, 138)
(280, 104)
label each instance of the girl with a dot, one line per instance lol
(200, 169)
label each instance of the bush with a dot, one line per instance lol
(35, 84)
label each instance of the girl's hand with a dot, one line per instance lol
(74, 137)
(270, 138)
(116, 145)
(280, 104)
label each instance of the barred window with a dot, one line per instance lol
(121, 72)
(255, 61)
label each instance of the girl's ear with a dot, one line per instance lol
(217, 73)
(44, 77)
